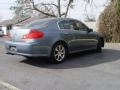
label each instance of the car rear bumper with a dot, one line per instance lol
(27, 49)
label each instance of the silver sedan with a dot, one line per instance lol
(54, 38)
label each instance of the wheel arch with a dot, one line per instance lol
(64, 43)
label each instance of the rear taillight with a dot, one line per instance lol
(33, 34)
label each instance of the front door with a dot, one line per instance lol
(83, 39)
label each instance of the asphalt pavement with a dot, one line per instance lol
(82, 71)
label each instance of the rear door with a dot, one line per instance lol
(68, 33)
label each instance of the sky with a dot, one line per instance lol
(78, 12)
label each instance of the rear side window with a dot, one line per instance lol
(64, 24)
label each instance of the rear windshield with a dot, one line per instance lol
(37, 24)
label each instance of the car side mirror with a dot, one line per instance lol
(90, 30)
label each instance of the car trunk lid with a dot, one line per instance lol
(17, 34)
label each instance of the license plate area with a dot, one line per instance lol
(13, 48)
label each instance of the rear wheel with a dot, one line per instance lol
(58, 53)
(99, 46)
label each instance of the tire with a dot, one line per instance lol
(58, 54)
(99, 46)
(29, 58)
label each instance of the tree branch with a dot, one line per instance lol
(68, 6)
(50, 4)
(62, 14)
(35, 8)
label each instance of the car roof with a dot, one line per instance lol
(52, 19)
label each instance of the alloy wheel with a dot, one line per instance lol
(59, 53)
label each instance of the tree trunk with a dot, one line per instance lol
(59, 9)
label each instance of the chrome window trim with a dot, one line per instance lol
(69, 20)
(83, 40)
(82, 50)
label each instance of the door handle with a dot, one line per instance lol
(65, 33)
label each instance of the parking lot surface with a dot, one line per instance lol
(82, 71)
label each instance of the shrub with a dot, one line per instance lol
(109, 22)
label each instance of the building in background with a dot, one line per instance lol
(92, 25)
(6, 26)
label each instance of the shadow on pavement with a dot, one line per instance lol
(78, 60)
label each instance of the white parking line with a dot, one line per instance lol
(7, 85)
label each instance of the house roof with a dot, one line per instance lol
(20, 22)
(12, 21)
(7, 22)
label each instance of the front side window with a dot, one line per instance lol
(82, 26)
(76, 25)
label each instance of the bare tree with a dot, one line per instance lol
(20, 9)
(58, 8)
(53, 9)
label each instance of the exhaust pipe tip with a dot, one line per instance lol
(9, 53)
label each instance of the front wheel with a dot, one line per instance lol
(58, 53)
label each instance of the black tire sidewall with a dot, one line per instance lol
(99, 46)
